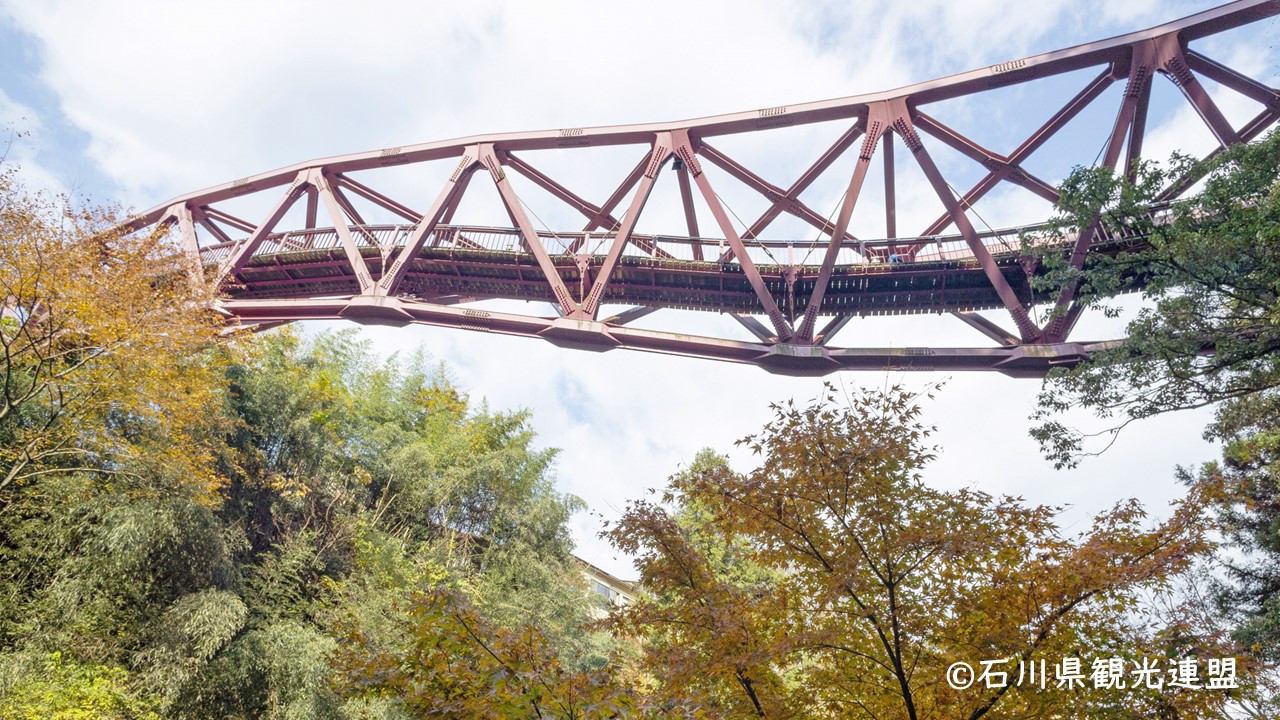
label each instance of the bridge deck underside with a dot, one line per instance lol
(675, 284)
(466, 274)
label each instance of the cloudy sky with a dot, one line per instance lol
(138, 102)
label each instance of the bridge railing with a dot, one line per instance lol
(942, 248)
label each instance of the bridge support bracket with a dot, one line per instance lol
(376, 310)
(579, 334)
(1035, 361)
(794, 359)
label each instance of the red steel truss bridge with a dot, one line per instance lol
(419, 266)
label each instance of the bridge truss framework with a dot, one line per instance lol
(426, 269)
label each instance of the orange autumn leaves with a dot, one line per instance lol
(109, 364)
(827, 582)
(867, 583)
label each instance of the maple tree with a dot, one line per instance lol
(867, 584)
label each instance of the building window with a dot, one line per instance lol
(604, 590)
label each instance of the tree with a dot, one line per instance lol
(189, 522)
(352, 481)
(59, 690)
(456, 664)
(103, 346)
(111, 391)
(1250, 516)
(1207, 335)
(875, 584)
(356, 481)
(1209, 273)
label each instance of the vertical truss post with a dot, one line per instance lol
(181, 213)
(312, 202)
(1137, 132)
(1141, 67)
(890, 197)
(690, 213)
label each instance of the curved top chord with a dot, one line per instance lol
(412, 266)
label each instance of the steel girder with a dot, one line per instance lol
(425, 269)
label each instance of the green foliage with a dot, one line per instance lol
(187, 636)
(1207, 335)
(187, 521)
(62, 690)
(1250, 517)
(350, 482)
(276, 670)
(1210, 329)
(103, 566)
(728, 555)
